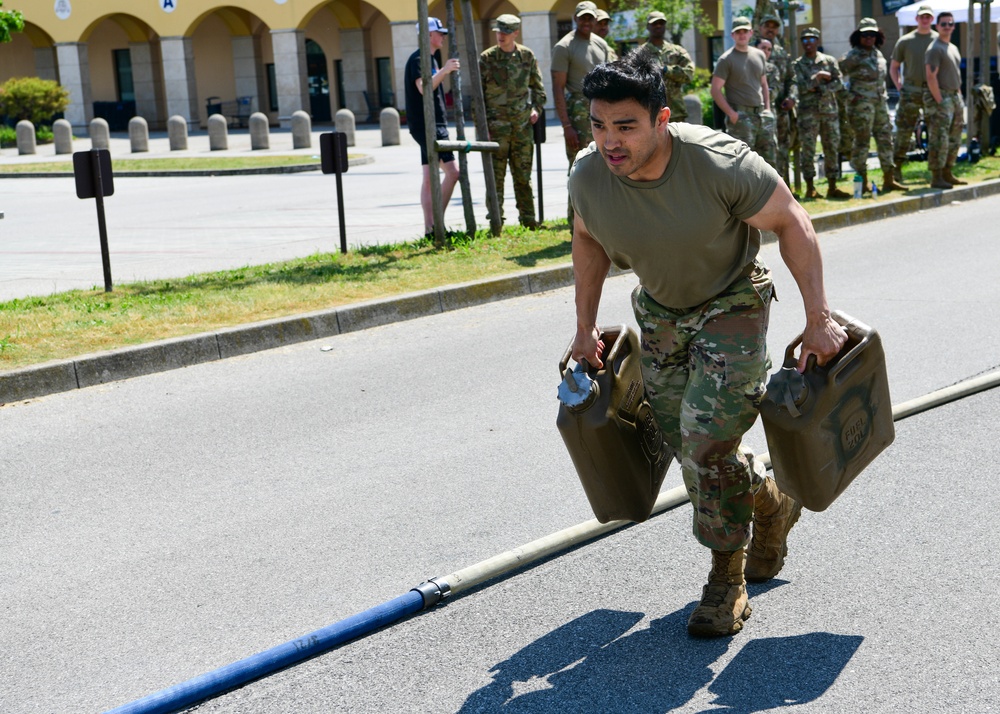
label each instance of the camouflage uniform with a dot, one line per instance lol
(946, 120)
(867, 107)
(909, 51)
(512, 86)
(818, 114)
(784, 89)
(678, 70)
(754, 125)
(704, 370)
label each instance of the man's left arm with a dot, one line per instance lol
(799, 247)
(537, 87)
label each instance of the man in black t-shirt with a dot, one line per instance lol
(415, 119)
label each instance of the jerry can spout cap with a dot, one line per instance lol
(577, 390)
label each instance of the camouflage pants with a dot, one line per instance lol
(704, 372)
(907, 115)
(827, 127)
(870, 116)
(785, 137)
(945, 122)
(845, 125)
(578, 109)
(517, 148)
(757, 130)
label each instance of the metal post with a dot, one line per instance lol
(539, 132)
(479, 104)
(95, 166)
(430, 121)
(463, 159)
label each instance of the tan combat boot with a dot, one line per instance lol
(724, 604)
(938, 181)
(897, 175)
(948, 176)
(834, 192)
(889, 182)
(774, 514)
(811, 191)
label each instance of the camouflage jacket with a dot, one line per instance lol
(773, 82)
(816, 96)
(677, 67)
(512, 84)
(866, 72)
(787, 89)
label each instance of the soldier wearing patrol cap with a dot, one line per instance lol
(515, 95)
(818, 78)
(742, 71)
(784, 91)
(572, 58)
(909, 53)
(674, 60)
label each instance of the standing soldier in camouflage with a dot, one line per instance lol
(572, 58)
(784, 94)
(818, 78)
(742, 71)
(773, 80)
(943, 105)
(867, 103)
(909, 52)
(515, 96)
(676, 64)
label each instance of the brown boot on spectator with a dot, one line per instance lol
(889, 183)
(897, 175)
(948, 176)
(938, 181)
(811, 191)
(724, 604)
(834, 192)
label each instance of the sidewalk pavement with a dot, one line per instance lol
(89, 370)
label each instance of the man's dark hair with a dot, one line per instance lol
(635, 76)
(943, 14)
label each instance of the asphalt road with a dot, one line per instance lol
(155, 529)
(173, 227)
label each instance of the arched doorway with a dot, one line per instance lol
(319, 82)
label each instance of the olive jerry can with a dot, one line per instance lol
(610, 431)
(824, 426)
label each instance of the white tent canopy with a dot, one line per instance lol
(907, 16)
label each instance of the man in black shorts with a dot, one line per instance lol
(415, 119)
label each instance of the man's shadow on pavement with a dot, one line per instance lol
(591, 665)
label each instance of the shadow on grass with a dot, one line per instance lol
(530, 260)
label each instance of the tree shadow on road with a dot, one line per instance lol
(598, 664)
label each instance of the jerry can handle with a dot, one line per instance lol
(853, 328)
(610, 354)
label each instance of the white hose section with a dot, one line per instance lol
(473, 575)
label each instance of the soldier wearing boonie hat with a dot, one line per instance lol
(514, 95)
(675, 64)
(867, 105)
(909, 54)
(573, 57)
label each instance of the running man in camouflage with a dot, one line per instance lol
(818, 78)
(678, 69)
(515, 96)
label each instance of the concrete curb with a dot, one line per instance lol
(88, 370)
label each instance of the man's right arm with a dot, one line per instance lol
(894, 66)
(720, 99)
(559, 99)
(590, 268)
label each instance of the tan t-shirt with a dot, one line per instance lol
(683, 234)
(946, 59)
(909, 51)
(742, 72)
(577, 57)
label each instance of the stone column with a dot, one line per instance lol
(538, 32)
(404, 44)
(74, 76)
(354, 65)
(144, 82)
(839, 21)
(290, 73)
(45, 63)
(178, 79)
(246, 72)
